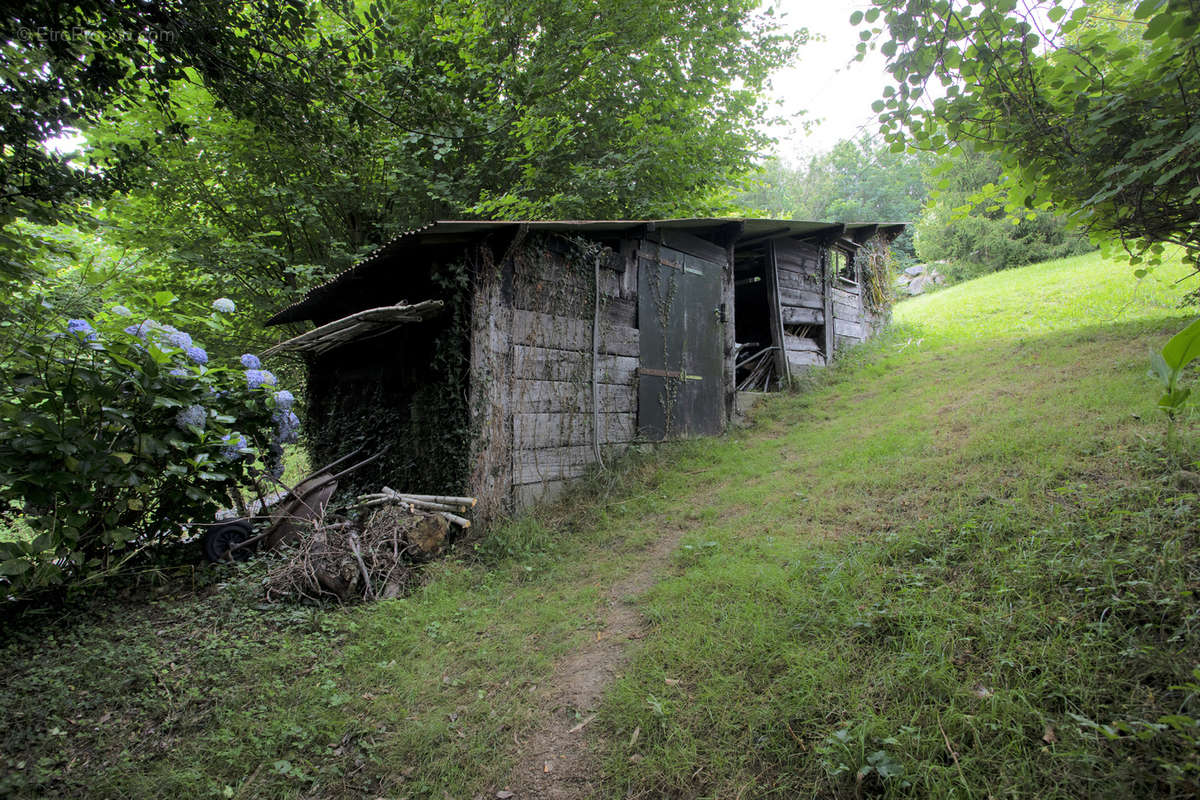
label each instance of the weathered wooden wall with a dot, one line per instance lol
(490, 386)
(532, 361)
(850, 323)
(802, 302)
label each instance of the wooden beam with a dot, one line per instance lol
(827, 283)
(344, 330)
(824, 236)
(862, 235)
(762, 237)
(775, 312)
(729, 233)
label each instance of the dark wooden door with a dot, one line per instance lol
(681, 367)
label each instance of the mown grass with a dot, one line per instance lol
(937, 572)
(942, 572)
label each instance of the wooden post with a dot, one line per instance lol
(491, 388)
(730, 234)
(827, 279)
(775, 312)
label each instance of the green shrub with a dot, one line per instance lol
(115, 431)
(965, 223)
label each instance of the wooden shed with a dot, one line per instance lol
(502, 359)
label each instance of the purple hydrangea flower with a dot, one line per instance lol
(287, 423)
(193, 416)
(224, 305)
(234, 448)
(259, 377)
(180, 339)
(286, 426)
(250, 361)
(141, 330)
(197, 355)
(81, 328)
(122, 311)
(284, 400)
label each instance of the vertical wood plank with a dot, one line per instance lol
(729, 350)
(491, 386)
(775, 311)
(827, 283)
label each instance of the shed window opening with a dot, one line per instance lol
(843, 266)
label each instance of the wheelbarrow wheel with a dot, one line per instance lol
(220, 538)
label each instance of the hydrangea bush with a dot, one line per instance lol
(116, 431)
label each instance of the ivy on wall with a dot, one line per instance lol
(419, 412)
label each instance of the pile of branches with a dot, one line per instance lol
(371, 553)
(760, 368)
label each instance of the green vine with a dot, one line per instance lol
(876, 265)
(424, 423)
(663, 298)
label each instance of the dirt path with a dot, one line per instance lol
(555, 763)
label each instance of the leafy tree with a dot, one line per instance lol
(405, 111)
(858, 180)
(966, 224)
(64, 66)
(1091, 107)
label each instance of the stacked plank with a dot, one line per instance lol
(550, 400)
(372, 322)
(801, 302)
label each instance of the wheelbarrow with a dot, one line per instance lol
(234, 538)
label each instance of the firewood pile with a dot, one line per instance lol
(369, 553)
(760, 367)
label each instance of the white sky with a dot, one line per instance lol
(826, 82)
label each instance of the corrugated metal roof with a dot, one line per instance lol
(752, 229)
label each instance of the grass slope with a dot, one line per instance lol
(943, 573)
(962, 564)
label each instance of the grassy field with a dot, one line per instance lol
(962, 563)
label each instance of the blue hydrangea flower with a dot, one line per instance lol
(224, 305)
(180, 372)
(259, 377)
(250, 361)
(122, 311)
(143, 329)
(197, 355)
(192, 416)
(284, 400)
(81, 328)
(180, 339)
(287, 424)
(234, 448)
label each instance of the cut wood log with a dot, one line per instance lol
(449, 500)
(461, 522)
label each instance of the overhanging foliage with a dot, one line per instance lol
(1093, 107)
